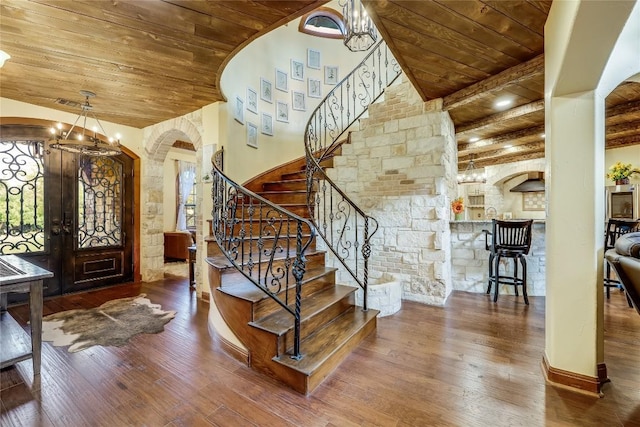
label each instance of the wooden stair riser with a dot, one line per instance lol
(251, 246)
(315, 259)
(298, 209)
(294, 175)
(291, 185)
(258, 227)
(268, 306)
(311, 325)
(261, 344)
(295, 197)
(319, 375)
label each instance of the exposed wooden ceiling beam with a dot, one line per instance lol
(625, 141)
(506, 158)
(488, 156)
(626, 108)
(493, 119)
(507, 138)
(624, 127)
(494, 83)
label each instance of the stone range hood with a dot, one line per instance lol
(534, 183)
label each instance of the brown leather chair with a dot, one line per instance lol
(615, 229)
(625, 261)
(176, 245)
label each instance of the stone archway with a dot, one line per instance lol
(157, 142)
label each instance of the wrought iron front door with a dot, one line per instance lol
(68, 213)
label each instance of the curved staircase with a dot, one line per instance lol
(331, 324)
(268, 279)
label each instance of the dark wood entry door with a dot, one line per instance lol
(68, 213)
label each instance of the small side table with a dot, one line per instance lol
(17, 275)
(192, 264)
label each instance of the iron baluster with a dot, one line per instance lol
(262, 232)
(344, 227)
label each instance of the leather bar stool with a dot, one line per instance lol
(508, 239)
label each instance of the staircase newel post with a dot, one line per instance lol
(366, 253)
(298, 274)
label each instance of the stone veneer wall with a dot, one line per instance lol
(401, 169)
(470, 259)
(158, 139)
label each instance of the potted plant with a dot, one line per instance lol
(457, 206)
(621, 172)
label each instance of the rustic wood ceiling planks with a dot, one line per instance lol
(150, 61)
(474, 53)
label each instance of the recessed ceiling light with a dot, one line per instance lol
(474, 139)
(504, 103)
(542, 136)
(3, 57)
(508, 146)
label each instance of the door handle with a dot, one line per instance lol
(67, 223)
(55, 227)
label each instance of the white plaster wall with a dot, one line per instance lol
(260, 59)
(578, 47)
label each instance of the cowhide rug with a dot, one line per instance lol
(111, 324)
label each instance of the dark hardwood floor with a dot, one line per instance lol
(471, 363)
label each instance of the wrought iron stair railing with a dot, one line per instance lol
(345, 227)
(263, 241)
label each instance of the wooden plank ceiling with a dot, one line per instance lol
(147, 61)
(475, 53)
(150, 61)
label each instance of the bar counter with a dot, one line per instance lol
(470, 259)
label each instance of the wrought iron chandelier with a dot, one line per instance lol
(472, 175)
(81, 140)
(360, 33)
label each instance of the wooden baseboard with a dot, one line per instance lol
(574, 381)
(238, 353)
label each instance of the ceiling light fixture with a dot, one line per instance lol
(542, 136)
(3, 57)
(504, 103)
(83, 140)
(474, 139)
(471, 175)
(360, 33)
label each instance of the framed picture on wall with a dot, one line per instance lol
(297, 70)
(252, 100)
(282, 112)
(314, 88)
(330, 75)
(313, 59)
(266, 124)
(238, 110)
(298, 101)
(266, 92)
(282, 80)
(252, 135)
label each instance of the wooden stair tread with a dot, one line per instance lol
(247, 290)
(319, 347)
(221, 262)
(281, 321)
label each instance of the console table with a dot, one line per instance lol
(18, 275)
